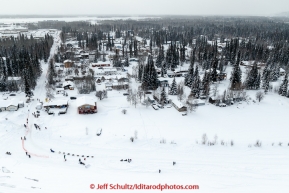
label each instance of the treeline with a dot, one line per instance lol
(20, 57)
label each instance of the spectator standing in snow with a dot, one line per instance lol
(159, 171)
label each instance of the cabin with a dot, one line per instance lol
(9, 105)
(69, 78)
(199, 102)
(214, 100)
(12, 107)
(68, 85)
(56, 107)
(108, 86)
(68, 64)
(91, 57)
(151, 100)
(101, 64)
(106, 71)
(119, 86)
(86, 105)
(179, 106)
(163, 83)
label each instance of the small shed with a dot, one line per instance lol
(179, 106)
(20, 104)
(282, 72)
(214, 100)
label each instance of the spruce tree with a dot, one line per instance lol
(266, 80)
(284, 86)
(126, 63)
(195, 90)
(140, 72)
(258, 82)
(275, 73)
(214, 73)
(159, 60)
(28, 91)
(236, 77)
(173, 89)
(163, 97)
(252, 79)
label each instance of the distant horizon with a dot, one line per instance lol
(136, 15)
(145, 7)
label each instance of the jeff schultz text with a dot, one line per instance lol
(144, 187)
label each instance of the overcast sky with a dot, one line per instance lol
(140, 7)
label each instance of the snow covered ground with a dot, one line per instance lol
(218, 168)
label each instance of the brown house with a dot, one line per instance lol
(68, 64)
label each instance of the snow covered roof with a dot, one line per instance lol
(7, 103)
(100, 87)
(85, 100)
(178, 103)
(67, 61)
(218, 71)
(108, 84)
(199, 101)
(116, 83)
(13, 78)
(282, 70)
(66, 83)
(214, 98)
(100, 62)
(58, 89)
(56, 103)
(110, 70)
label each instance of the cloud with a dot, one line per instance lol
(140, 7)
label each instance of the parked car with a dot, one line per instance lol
(125, 94)
(73, 98)
(222, 105)
(155, 107)
(148, 92)
(12, 95)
